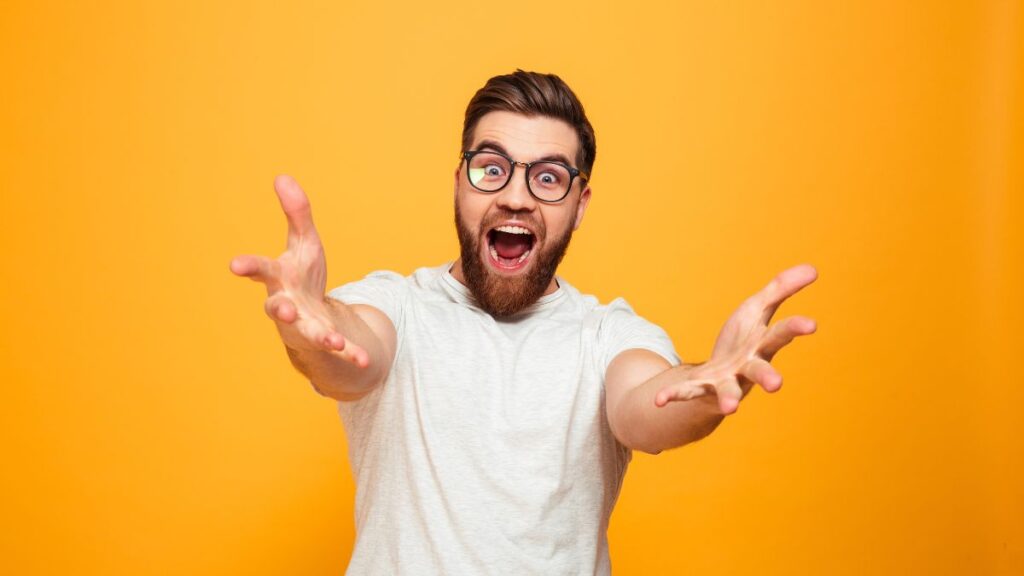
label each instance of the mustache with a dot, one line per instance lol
(502, 215)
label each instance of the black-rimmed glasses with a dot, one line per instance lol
(547, 180)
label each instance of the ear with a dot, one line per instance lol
(458, 169)
(581, 207)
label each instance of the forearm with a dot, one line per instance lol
(333, 376)
(642, 425)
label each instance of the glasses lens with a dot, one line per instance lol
(489, 171)
(549, 180)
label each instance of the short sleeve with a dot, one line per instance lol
(384, 290)
(622, 329)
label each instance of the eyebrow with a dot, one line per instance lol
(492, 145)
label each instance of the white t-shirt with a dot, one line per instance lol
(488, 450)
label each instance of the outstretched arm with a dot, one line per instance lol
(652, 406)
(344, 350)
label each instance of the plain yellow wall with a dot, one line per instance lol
(152, 424)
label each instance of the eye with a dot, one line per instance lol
(488, 171)
(549, 178)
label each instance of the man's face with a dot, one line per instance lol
(505, 269)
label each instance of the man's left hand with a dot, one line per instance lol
(746, 345)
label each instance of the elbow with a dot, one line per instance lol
(636, 438)
(638, 443)
(651, 447)
(651, 450)
(655, 445)
(346, 389)
(342, 392)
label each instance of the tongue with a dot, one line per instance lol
(511, 245)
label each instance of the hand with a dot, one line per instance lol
(296, 281)
(746, 345)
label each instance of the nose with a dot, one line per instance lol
(515, 196)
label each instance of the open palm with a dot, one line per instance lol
(296, 281)
(746, 345)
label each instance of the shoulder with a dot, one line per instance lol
(378, 281)
(422, 278)
(591, 306)
(384, 290)
(391, 292)
(618, 315)
(620, 328)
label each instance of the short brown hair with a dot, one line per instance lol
(533, 94)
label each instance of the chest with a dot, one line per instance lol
(521, 379)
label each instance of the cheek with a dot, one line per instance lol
(557, 223)
(472, 208)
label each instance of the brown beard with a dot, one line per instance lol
(499, 296)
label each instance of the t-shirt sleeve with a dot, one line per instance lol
(384, 290)
(622, 329)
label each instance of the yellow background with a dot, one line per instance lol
(152, 424)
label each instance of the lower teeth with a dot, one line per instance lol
(519, 260)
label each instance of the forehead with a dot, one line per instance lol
(526, 138)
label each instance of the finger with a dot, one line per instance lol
(783, 332)
(320, 335)
(761, 372)
(323, 335)
(296, 207)
(333, 340)
(729, 395)
(683, 391)
(786, 284)
(354, 353)
(279, 307)
(255, 267)
(345, 348)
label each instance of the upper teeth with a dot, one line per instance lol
(513, 229)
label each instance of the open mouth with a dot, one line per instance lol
(510, 247)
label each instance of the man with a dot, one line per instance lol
(491, 408)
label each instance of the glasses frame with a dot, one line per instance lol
(468, 155)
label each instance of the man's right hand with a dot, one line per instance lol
(296, 282)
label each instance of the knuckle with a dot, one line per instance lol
(269, 306)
